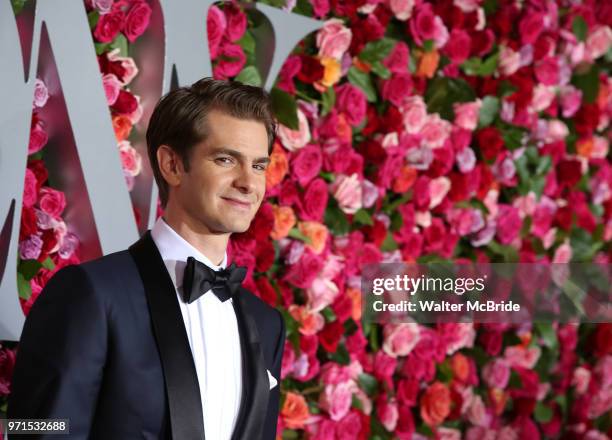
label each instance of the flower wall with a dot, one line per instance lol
(411, 131)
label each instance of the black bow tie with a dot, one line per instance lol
(198, 279)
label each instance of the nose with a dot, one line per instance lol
(245, 179)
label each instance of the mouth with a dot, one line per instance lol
(238, 203)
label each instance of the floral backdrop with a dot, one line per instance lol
(413, 131)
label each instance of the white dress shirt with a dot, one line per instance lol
(212, 330)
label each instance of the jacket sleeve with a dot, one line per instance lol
(269, 432)
(61, 355)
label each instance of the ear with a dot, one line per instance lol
(170, 165)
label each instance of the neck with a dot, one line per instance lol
(212, 246)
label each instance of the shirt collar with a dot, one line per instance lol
(174, 247)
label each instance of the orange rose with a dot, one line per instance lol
(278, 167)
(428, 64)
(435, 404)
(284, 220)
(331, 74)
(295, 411)
(460, 366)
(355, 295)
(310, 322)
(122, 126)
(584, 147)
(317, 233)
(498, 399)
(405, 180)
(345, 132)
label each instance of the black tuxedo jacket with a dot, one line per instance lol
(105, 346)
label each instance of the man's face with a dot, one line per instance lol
(226, 181)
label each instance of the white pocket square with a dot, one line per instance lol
(273, 381)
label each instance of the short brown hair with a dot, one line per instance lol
(179, 118)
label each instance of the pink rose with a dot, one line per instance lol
(397, 88)
(400, 339)
(30, 189)
(435, 131)
(438, 188)
(232, 63)
(598, 42)
(542, 97)
(456, 336)
(306, 164)
(563, 254)
(397, 60)
(38, 139)
(458, 46)
(52, 202)
(387, 412)
(216, 24)
(496, 374)
(509, 61)
(519, 356)
(547, 71)
(320, 8)
(112, 86)
(402, 9)
(137, 20)
(351, 101)
(414, 114)
(41, 94)
(102, 6)
(581, 380)
(30, 248)
(509, 223)
(303, 273)
(347, 191)
(109, 25)
(236, 22)
(337, 399)
(425, 25)
(333, 39)
(131, 160)
(466, 160)
(467, 114)
(293, 140)
(130, 70)
(571, 98)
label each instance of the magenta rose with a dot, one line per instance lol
(109, 25)
(397, 60)
(232, 62)
(458, 46)
(530, 27)
(397, 89)
(216, 23)
(236, 22)
(351, 101)
(320, 8)
(303, 273)
(306, 164)
(314, 201)
(30, 189)
(126, 103)
(547, 71)
(496, 373)
(38, 139)
(508, 223)
(52, 202)
(137, 20)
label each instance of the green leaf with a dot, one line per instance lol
(488, 110)
(335, 218)
(18, 5)
(285, 108)
(443, 92)
(547, 333)
(377, 50)
(23, 287)
(508, 253)
(589, 83)
(542, 413)
(389, 243)
(247, 42)
(290, 434)
(101, 48)
(249, 75)
(428, 45)
(120, 43)
(580, 28)
(475, 66)
(295, 233)
(363, 81)
(328, 314)
(362, 216)
(48, 264)
(329, 100)
(379, 69)
(513, 136)
(93, 18)
(29, 268)
(341, 355)
(368, 383)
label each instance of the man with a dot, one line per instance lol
(161, 341)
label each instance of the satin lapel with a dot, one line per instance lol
(255, 383)
(182, 387)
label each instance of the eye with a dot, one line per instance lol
(224, 160)
(261, 167)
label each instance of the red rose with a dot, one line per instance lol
(407, 391)
(236, 22)
(266, 291)
(569, 172)
(490, 141)
(586, 119)
(107, 66)
(126, 103)
(405, 423)
(38, 139)
(397, 88)
(351, 101)
(458, 46)
(264, 256)
(530, 27)
(306, 164)
(137, 20)
(290, 69)
(40, 171)
(311, 70)
(603, 340)
(491, 341)
(288, 194)
(421, 192)
(7, 364)
(343, 307)
(109, 25)
(28, 223)
(232, 61)
(52, 202)
(262, 223)
(49, 242)
(330, 336)
(314, 201)
(482, 42)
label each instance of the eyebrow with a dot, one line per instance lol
(238, 155)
